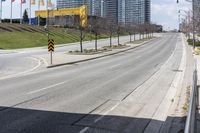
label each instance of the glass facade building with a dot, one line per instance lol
(69, 3)
(122, 11)
(133, 11)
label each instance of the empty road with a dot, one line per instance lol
(115, 94)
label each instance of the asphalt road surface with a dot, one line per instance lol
(12, 60)
(84, 97)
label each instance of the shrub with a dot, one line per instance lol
(190, 42)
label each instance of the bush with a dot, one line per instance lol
(190, 42)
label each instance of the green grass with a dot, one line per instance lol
(14, 40)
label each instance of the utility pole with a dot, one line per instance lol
(1, 13)
(193, 23)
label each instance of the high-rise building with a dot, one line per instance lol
(111, 10)
(95, 7)
(122, 11)
(148, 11)
(70, 3)
(133, 11)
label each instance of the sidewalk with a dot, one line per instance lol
(64, 58)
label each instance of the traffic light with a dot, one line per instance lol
(83, 16)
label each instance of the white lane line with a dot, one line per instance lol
(45, 88)
(138, 57)
(84, 130)
(99, 118)
(44, 60)
(27, 71)
(115, 66)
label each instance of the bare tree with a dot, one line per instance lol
(120, 30)
(111, 29)
(131, 30)
(96, 27)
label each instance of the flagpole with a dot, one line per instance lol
(1, 13)
(39, 12)
(21, 12)
(30, 12)
(47, 13)
(11, 13)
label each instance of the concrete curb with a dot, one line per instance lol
(101, 56)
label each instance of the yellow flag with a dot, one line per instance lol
(49, 3)
(83, 16)
(32, 2)
(41, 2)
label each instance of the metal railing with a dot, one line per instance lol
(190, 126)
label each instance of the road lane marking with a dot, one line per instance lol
(138, 57)
(99, 118)
(84, 130)
(45, 88)
(115, 66)
(44, 61)
(24, 72)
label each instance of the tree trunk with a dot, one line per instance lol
(130, 38)
(146, 35)
(134, 36)
(110, 40)
(143, 35)
(95, 41)
(81, 39)
(118, 39)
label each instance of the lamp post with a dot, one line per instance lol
(193, 23)
(187, 21)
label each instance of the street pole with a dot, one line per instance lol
(47, 23)
(193, 25)
(179, 21)
(11, 12)
(39, 12)
(81, 39)
(29, 12)
(21, 12)
(1, 13)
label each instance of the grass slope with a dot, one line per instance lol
(14, 40)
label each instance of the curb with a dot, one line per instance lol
(79, 61)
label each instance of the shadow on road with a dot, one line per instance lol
(18, 120)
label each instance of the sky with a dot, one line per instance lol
(163, 12)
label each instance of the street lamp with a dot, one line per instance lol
(193, 24)
(185, 15)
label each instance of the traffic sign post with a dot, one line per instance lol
(51, 49)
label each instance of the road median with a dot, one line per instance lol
(63, 58)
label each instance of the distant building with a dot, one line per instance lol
(112, 10)
(158, 28)
(70, 3)
(119, 11)
(134, 11)
(197, 10)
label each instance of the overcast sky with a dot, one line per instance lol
(164, 12)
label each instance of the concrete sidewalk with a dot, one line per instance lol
(65, 58)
